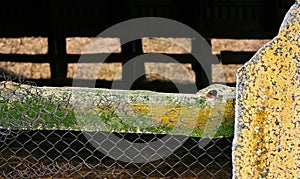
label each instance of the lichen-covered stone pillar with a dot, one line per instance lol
(267, 123)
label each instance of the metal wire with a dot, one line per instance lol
(39, 137)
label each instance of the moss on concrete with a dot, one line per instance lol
(44, 108)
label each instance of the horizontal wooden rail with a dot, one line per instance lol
(60, 19)
(94, 58)
(41, 58)
(226, 57)
(156, 85)
(229, 57)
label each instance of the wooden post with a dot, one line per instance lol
(56, 45)
(57, 49)
(130, 73)
(201, 75)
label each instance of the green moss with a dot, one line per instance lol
(48, 113)
(36, 113)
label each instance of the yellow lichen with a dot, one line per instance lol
(189, 116)
(269, 142)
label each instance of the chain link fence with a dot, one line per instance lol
(51, 134)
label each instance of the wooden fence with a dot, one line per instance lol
(60, 19)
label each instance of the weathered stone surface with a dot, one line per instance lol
(267, 131)
(183, 114)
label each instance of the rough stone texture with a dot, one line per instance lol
(266, 142)
(190, 114)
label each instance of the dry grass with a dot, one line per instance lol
(25, 46)
(167, 45)
(160, 71)
(248, 45)
(78, 45)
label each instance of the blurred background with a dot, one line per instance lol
(42, 40)
(76, 45)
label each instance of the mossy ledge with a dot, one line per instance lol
(29, 107)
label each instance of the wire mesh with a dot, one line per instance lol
(41, 137)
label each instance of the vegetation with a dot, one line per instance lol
(35, 112)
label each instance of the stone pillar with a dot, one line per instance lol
(267, 124)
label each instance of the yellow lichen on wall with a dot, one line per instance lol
(266, 144)
(189, 116)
